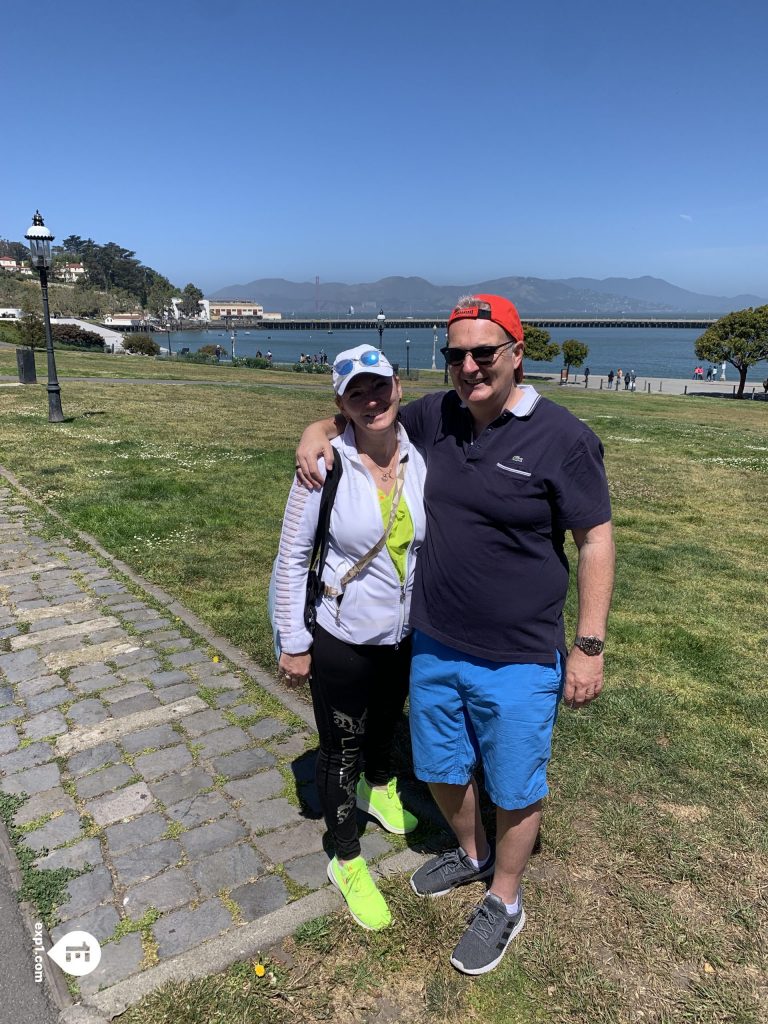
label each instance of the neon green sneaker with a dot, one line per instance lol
(385, 806)
(365, 902)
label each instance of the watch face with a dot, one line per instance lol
(590, 644)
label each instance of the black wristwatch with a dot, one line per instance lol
(590, 645)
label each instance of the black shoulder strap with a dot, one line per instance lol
(320, 547)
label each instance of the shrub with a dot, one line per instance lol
(254, 362)
(209, 350)
(312, 368)
(30, 331)
(195, 357)
(76, 337)
(141, 344)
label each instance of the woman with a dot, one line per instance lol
(358, 661)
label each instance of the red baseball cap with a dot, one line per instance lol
(502, 312)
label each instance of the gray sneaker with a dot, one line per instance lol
(484, 943)
(448, 871)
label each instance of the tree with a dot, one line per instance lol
(189, 300)
(574, 354)
(538, 345)
(159, 298)
(30, 328)
(74, 245)
(16, 250)
(739, 338)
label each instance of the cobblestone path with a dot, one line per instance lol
(186, 809)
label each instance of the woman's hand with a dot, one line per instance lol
(294, 668)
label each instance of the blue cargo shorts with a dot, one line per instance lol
(464, 710)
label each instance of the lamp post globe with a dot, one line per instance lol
(381, 318)
(40, 238)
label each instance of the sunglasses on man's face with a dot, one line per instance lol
(345, 366)
(483, 355)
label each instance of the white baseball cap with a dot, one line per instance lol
(353, 361)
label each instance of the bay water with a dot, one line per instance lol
(650, 352)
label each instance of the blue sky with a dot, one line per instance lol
(455, 141)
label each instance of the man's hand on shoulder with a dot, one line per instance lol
(316, 441)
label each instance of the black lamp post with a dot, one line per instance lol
(445, 370)
(434, 344)
(408, 358)
(381, 318)
(40, 238)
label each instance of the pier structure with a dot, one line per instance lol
(413, 323)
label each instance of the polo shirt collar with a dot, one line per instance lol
(525, 404)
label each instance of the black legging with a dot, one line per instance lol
(358, 693)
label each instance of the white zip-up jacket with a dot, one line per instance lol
(375, 605)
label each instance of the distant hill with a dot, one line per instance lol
(534, 296)
(656, 290)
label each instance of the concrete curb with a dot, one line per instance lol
(55, 983)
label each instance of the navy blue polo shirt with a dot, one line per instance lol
(492, 575)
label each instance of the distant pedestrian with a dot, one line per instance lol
(722, 370)
(765, 386)
(618, 378)
(632, 380)
(610, 379)
(218, 353)
(269, 355)
(709, 373)
(586, 377)
(626, 381)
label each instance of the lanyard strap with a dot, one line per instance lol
(367, 558)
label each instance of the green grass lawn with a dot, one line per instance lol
(649, 900)
(71, 363)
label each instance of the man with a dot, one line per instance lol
(508, 472)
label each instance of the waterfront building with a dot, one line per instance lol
(220, 310)
(126, 320)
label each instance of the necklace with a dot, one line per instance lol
(387, 472)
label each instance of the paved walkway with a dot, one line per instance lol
(187, 809)
(645, 385)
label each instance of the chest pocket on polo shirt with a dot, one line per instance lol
(520, 498)
(514, 472)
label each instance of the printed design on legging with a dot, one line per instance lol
(350, 729)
